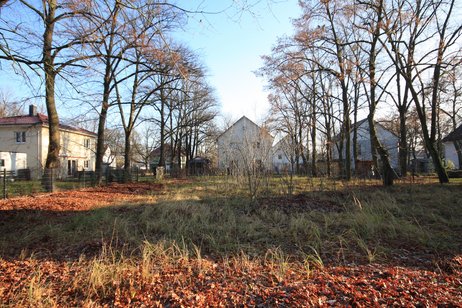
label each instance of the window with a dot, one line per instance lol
(2, 163)
(86, 164)
(86, 143)
(20, 137)
(279, 156)
(71, 167)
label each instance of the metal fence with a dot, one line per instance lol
(19, 183)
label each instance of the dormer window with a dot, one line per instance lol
(20, 137)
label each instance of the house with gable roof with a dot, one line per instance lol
(285, 158)
(243, 144)
(453, 147)
(30, 134)
(388, 139)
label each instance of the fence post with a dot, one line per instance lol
(52, 180)
(4, 183)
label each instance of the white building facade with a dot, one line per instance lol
(243, 145)
(389, 141)
(29, 134)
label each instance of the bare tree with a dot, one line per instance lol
(254, 154)
(44, 44)
(9, 107)
(422, 16)
(322, 27)
(373, 19)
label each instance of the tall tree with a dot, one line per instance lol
(42, 38)
(322, 27)
(427, 20)
(374, 11)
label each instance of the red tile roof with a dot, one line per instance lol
(39, 119)
(24, 120)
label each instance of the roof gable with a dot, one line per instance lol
(242, 119)
(364, 125)
(454, 135)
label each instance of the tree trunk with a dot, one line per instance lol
(429, 144)
(127, 156)
(313, 141)
(52, 161)
(355, 140)
(100, 144)
(403, 146)
(347, 128)
(387, 171)
(458, 147)
(162, 130)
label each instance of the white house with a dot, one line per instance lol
(284, 157)
(30, 134)
(453, 147)
(244, 144)
(12, 161)
(388, 139)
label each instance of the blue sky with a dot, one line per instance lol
(230, 45)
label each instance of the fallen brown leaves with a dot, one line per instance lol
(202, 282)
(223, 281)
(82, 200)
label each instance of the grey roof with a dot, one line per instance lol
(454, 135)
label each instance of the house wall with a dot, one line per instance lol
(73, 148)
(36, 148)
(13, 161)
(450, 153)
(244, 141)
(30, 147)
(389, 142)
(281, 158)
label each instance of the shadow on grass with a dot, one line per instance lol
(406, 225)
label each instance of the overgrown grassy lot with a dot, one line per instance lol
(203, 241)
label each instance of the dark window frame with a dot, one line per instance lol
(20, 137)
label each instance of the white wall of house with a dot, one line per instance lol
(34, 143)
(388, 139)
(282, 154)
(77, 152)
(12, 161)
(29, 143)
(450, 153)
(244, 140)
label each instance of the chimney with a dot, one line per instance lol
(32, 110)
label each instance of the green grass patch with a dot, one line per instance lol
(348, 223)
